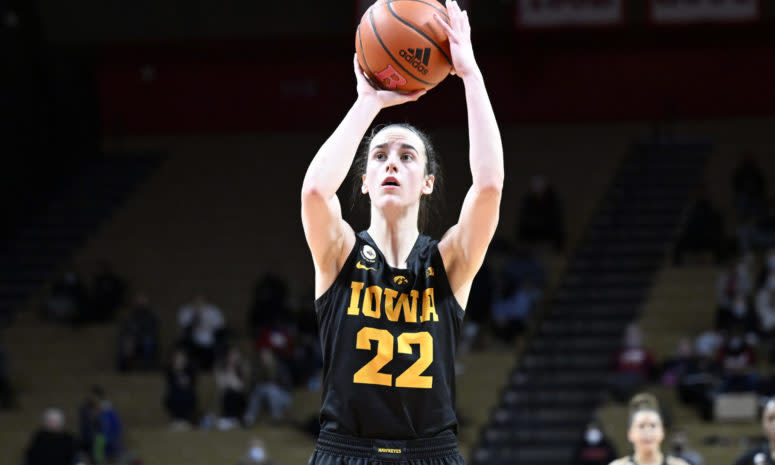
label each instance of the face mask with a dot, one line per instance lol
(593, 436)
(257, 454)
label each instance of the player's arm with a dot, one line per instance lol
(329, 237)
(463, 247)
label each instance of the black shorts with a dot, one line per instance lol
(336, 449)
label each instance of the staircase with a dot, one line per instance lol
(561, 377)
(44, 241)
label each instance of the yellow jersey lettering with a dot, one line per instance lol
(355, 298)
(428, 306)
(390, 313)
(372, 293)
(385, 450)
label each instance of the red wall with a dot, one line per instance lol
(249, 87)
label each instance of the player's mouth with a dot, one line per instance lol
(390, 183)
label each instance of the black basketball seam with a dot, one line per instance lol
(390, 8)
(360, 41)
(376, 33)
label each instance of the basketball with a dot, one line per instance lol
(400, 46)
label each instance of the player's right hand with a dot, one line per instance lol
(386, 98)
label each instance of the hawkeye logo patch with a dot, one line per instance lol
(368, 253)
(361, 266)
(400, 280)
(429, 272)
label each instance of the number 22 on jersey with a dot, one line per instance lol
(412, 377)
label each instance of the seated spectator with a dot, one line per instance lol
(633, 366)
(202, 325)
(138, 338)
(269, 300)
(593, 448)
(735, 281)
(512, 307)
(679, 447)
(749, 188)
(232, 375)
(676, 366)
(540, 218)
(52, 445)
(765, 307)
(737, 360)
(272, 389)
(6, 390)
(107, 293)
(738, 317)
(67, 299)
(704, 232)
(180, 399)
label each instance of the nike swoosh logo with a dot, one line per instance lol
(362, 267)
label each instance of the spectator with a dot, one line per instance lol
(107, 293)
(202, 325)
(138, 338)
(676, 366)
(736, 281)
(737, 366)
(767, 268)
(67, 299)
(749, 188)
(633, 365)
(231, 380)
(108, 437)
(679, 445)
(272, 386)
(512, 306)
(704, 232)
(52, 445)
(765, 307)
(594, 448)
(269, 302)
(540, 216)
(180, 399)
(256, 454)
(758, 233)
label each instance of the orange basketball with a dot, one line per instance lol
(401, 47)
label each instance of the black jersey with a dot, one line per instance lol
(389, 338)
(759, 455)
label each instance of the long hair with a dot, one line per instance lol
(428, 211)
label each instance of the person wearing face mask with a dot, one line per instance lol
(256, 454)
(594, 448)
(764, 453)
(645, 433)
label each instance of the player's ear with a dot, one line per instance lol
(364, 189)
(427, 187)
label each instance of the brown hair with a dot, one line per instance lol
(643, 402)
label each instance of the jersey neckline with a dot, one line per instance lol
(412, 253)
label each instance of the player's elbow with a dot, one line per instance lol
(491, 185)
(312, 192)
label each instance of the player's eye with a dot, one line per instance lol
(406, 156)
(379, 155)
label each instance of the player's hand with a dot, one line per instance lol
(386, 98)
(459, 34)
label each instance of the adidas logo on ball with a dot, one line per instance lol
(417, 57)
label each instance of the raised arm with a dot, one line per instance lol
(464, 245)
(329, 237)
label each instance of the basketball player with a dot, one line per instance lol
(763, 453)
(389, 300)
(646, 433)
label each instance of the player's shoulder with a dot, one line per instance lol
(676, 461)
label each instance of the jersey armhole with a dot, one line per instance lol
(348, 264)
(458, 308)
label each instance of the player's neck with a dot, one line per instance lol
(648, 457)
(394, 238)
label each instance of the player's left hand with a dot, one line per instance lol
(459, 33)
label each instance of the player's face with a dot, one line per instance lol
(768, 419)
(395, 169)
(646, 431)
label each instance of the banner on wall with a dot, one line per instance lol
(693, 11)
(563, 13)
